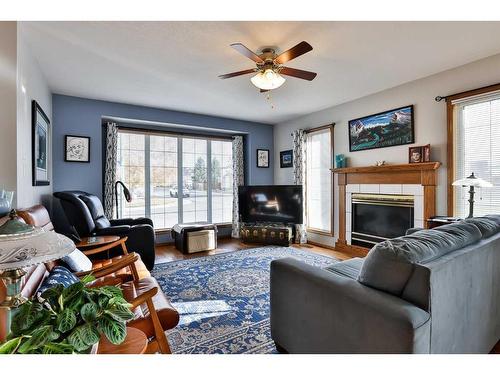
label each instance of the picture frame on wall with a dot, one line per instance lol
(40, 145)
(262, 158)
(286, 159)
(76, 148)
(385, 129)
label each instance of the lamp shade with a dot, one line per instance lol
(472, 180)
(22, 245)
(267, 80)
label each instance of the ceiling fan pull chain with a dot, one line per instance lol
(268, 97)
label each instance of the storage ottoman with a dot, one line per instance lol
(192, 238)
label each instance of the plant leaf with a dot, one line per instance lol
(72, 291)
(121, 313)
(75, 339)
(11, 346)
(114, 331)
(66, 320)
(87, 279)
(89, 312)
(25, 317)
(39, 337)
(111, 291)
(90, 334)
(57, 348)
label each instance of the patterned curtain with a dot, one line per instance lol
(238, 180)
(299, 176)
(110, 167)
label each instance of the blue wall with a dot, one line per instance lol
(78, 116)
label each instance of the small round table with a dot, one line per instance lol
(87, 242)
(136, 342)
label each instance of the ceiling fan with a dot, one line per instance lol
(269, 66)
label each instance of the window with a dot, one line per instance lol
(151, 166)
(477, 150)
(319, 188)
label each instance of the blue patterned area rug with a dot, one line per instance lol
(223, 300)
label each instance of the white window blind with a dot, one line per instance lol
(319, 180)
(477, 149)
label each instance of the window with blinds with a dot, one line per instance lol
(319, 181)
(477, 149)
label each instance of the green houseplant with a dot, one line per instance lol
(69, 320)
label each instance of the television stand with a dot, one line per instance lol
(267, 233)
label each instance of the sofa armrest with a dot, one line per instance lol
(131, 222)
(118, 230)
(317, 311)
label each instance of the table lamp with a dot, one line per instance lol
(473, 182)
(21, 246)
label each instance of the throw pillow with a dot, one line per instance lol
(77, 261)
(58, 275)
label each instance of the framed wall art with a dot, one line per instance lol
(77, 148)
(262, 158)
(384, 129)
(40, 145)
(286, 159)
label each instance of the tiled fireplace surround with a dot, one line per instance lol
(418, 180)
(417, 191)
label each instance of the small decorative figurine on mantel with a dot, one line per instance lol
(380, 163)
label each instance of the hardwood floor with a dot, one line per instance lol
(168, 253)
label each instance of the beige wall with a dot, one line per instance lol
(31, 85)
(8, 62)
(430, 122)
(21, 81)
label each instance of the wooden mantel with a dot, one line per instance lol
(418, 173)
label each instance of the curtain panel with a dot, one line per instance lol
(299, 177)
(110, 167)
(238, 180)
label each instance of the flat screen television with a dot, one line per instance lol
(278, 204)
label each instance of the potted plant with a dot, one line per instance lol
(69, 320)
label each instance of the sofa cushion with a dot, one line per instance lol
(487, 226)
(389, 264)
(349, 268)
(96, 210)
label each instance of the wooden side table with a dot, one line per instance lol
(87, 242)
(136, 342)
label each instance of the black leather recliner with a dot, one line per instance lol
(85, 212)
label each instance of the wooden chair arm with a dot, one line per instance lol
(147, 297)
(127, 261)
(142, 298)
(100, 249)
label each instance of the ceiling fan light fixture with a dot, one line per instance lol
(267, 80)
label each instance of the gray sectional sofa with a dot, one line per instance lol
(432, 291)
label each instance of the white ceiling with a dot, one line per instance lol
(174, 65)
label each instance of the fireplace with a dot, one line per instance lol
(377, 217)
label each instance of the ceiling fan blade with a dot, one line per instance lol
(235, 74)
(246, 52)
(303, 74)
(292, 53)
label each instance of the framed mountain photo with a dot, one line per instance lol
(384, 129)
